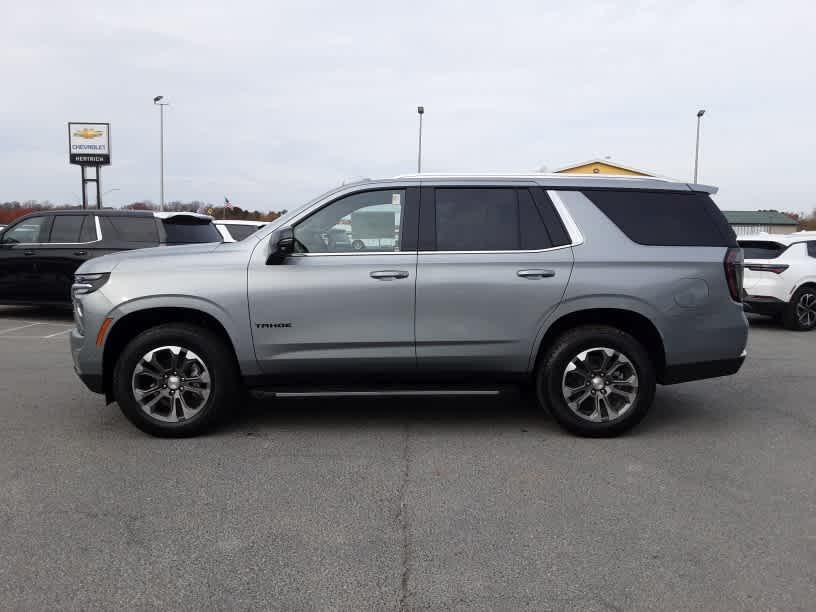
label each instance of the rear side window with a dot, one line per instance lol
(66, 228)
(665, 218)
(239, 232)
(131, 229)
(489, 219)
(477, 220)
(187, 230)
(812, 248)
(761, 249)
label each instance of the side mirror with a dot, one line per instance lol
(281, 244)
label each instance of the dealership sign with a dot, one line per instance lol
(89, 144)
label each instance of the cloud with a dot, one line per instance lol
(273, 102)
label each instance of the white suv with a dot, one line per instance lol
(780, 277)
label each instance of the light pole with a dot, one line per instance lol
(700, 114)
(420, 112)
(158, 101)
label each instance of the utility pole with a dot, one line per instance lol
(420, 112)
(700, 114)
(158, 101)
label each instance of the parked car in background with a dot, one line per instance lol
(40, 252)
(234, 231)
(574, 285)
(780, 277)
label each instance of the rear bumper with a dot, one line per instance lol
(686, 372)
(763, 305)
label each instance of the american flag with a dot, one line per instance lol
(227, 203)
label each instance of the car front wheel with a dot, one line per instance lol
(175, 380)
(597, 381)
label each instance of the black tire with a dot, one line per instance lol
(791, 318)
(224, 387)
(553, 364)
(358, 245)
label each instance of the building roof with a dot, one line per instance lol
(757, 217)
(605, 162)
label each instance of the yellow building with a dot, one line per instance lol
(602, 166)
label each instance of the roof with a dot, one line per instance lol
(757, 217)
(786, 239)
(606, 162)
(563, 180)
(239, 222)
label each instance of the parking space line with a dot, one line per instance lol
(64, 331)
(11, 329)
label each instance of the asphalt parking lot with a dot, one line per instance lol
(709, 504)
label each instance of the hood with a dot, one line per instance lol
(153, 257)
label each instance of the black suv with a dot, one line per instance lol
(40, 252)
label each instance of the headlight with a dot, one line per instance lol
(88, 283)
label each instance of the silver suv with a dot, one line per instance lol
(590, 289)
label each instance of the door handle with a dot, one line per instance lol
(80, 253)
(536, 274)
(28, 252)
(389, 274)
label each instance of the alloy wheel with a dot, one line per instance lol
(600, 384)
(806, 310)
(171, 384)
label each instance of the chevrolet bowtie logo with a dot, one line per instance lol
(88, 133)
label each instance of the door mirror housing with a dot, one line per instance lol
(281, 244)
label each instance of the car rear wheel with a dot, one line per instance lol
(597, 381)
(175, 380)
(800, 313)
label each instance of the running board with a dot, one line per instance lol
(377, 393)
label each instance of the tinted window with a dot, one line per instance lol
(533, 231)
(65, 228)
(369, 221)
(27, 231)
(189, 230)
(477, 220)
(665, 218)
(239, 232)
(761, 249)
(812, 248)
(88, 231)
(130, 229)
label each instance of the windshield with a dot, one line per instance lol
(239, 232)
(181, 230)
(761, 249)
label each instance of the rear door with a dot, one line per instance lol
(68, 245)
(493, 265)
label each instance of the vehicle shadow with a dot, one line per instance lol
(508, 412)
(511, 411)
(37, 313)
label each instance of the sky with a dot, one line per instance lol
(272, 103)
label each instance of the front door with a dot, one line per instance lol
(19, 276)
(493, 265)
(342, 306)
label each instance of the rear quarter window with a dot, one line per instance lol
(761, 249)
(130, 229)
(181, 230)
(665, 218)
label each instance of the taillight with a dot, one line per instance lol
(775, 268)
(733, 272)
